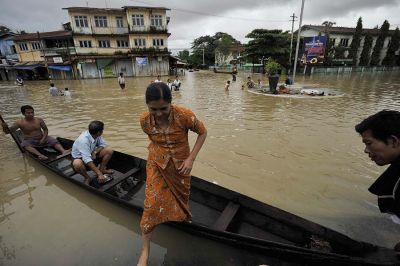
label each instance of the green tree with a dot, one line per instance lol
(209, 44)
(4, 29)
(224, 43)
(365, 54)
(329, 52)
(355, 43)
(184, 55)
(268, 44)
(339, 52)
(390, 59)
(376, 53)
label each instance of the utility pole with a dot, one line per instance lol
(298, 41)
(291, 41)
(203, 57)
(42, 49)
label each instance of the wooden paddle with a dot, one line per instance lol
(12, 135)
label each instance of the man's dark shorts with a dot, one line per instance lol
(48, 143)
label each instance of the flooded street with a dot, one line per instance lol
(301, 155)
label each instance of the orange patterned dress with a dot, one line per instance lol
(167, 191)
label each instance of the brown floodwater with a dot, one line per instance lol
(301, 155)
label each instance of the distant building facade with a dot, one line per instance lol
(343, 36)
(45, 55)
(8, 54)
(232, 57)
(132, 40)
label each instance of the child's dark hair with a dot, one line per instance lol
(95, 127)
(157, 91)
(26, 107)
(51, 84)
(382, 125)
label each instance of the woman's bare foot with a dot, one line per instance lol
(42, 157)
(144, 259)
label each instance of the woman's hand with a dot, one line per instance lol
(186, 166)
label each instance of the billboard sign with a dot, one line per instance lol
(141, 61)
(314, 50)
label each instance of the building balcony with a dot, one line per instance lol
(148, 29)
(101, 31)
(60, 51)
(149, 51)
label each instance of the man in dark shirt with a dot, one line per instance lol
(381, 135)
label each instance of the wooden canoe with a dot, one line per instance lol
(230, 217)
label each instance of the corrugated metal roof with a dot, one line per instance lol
(43, 35)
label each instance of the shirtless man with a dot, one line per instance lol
(250, 83)
(35, 133)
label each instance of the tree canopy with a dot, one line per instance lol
(390, 59)
(376, 53)
(268, 44)
(355, 43)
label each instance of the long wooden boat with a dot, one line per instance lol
(223, 72)
(230, 217)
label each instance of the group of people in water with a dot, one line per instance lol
(173, 85)
(170, 160)
(54, 91)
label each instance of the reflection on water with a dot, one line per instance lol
(300, 155)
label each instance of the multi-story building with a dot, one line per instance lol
(343, 36)
(8, 54)
(45, 54)
(132, 40)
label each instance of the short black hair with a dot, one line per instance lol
(95, 127)
(121, 74)
(157, 91)
(382, 125)
(51, 84)
(66, 89)
(26, 107)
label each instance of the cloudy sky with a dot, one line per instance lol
(191, 19)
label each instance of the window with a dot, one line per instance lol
(122, 44)
(23, 47)
(344, 42)
(120, 22)
(81, 21)
(104, 44)
(158, 42)
(35, 46)
(140, 42)
(12, 47)
(100, 21)
(85, 44)
(137, 20)
(156, 20)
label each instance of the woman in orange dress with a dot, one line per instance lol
(169, 162)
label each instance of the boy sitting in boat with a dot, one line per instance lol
(90, 149)
(35, 133)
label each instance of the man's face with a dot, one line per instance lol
(380, 152)
(29, 114)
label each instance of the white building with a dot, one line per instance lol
(343, 36)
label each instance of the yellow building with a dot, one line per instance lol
(132, 40)
(45, 54)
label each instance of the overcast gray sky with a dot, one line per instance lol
(191, 19)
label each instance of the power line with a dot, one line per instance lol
(213, 15)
